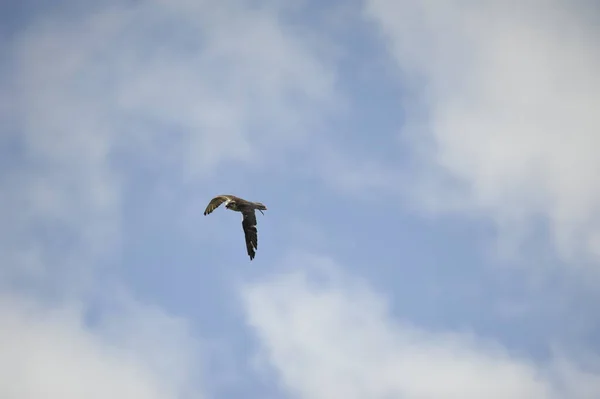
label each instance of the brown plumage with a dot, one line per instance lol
(249, 217)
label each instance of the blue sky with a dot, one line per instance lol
(430, 172)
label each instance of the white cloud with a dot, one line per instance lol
(48, 352)
(222, 81)
(506, 117)
(327, 335)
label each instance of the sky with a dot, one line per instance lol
(430, 173)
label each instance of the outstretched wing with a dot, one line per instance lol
(250, 232)
(215, 202)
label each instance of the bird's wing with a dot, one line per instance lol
(215, 202)
(250, 232)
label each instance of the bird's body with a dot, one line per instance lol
(246, 208)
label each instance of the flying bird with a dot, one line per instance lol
(249, 217)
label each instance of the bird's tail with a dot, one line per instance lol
(260, 206)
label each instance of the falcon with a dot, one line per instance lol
(249, 217)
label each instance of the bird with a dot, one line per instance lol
(246, 208)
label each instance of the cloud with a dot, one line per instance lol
(503, 112)
(51, 352)
(326, 334)
(189, 74)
